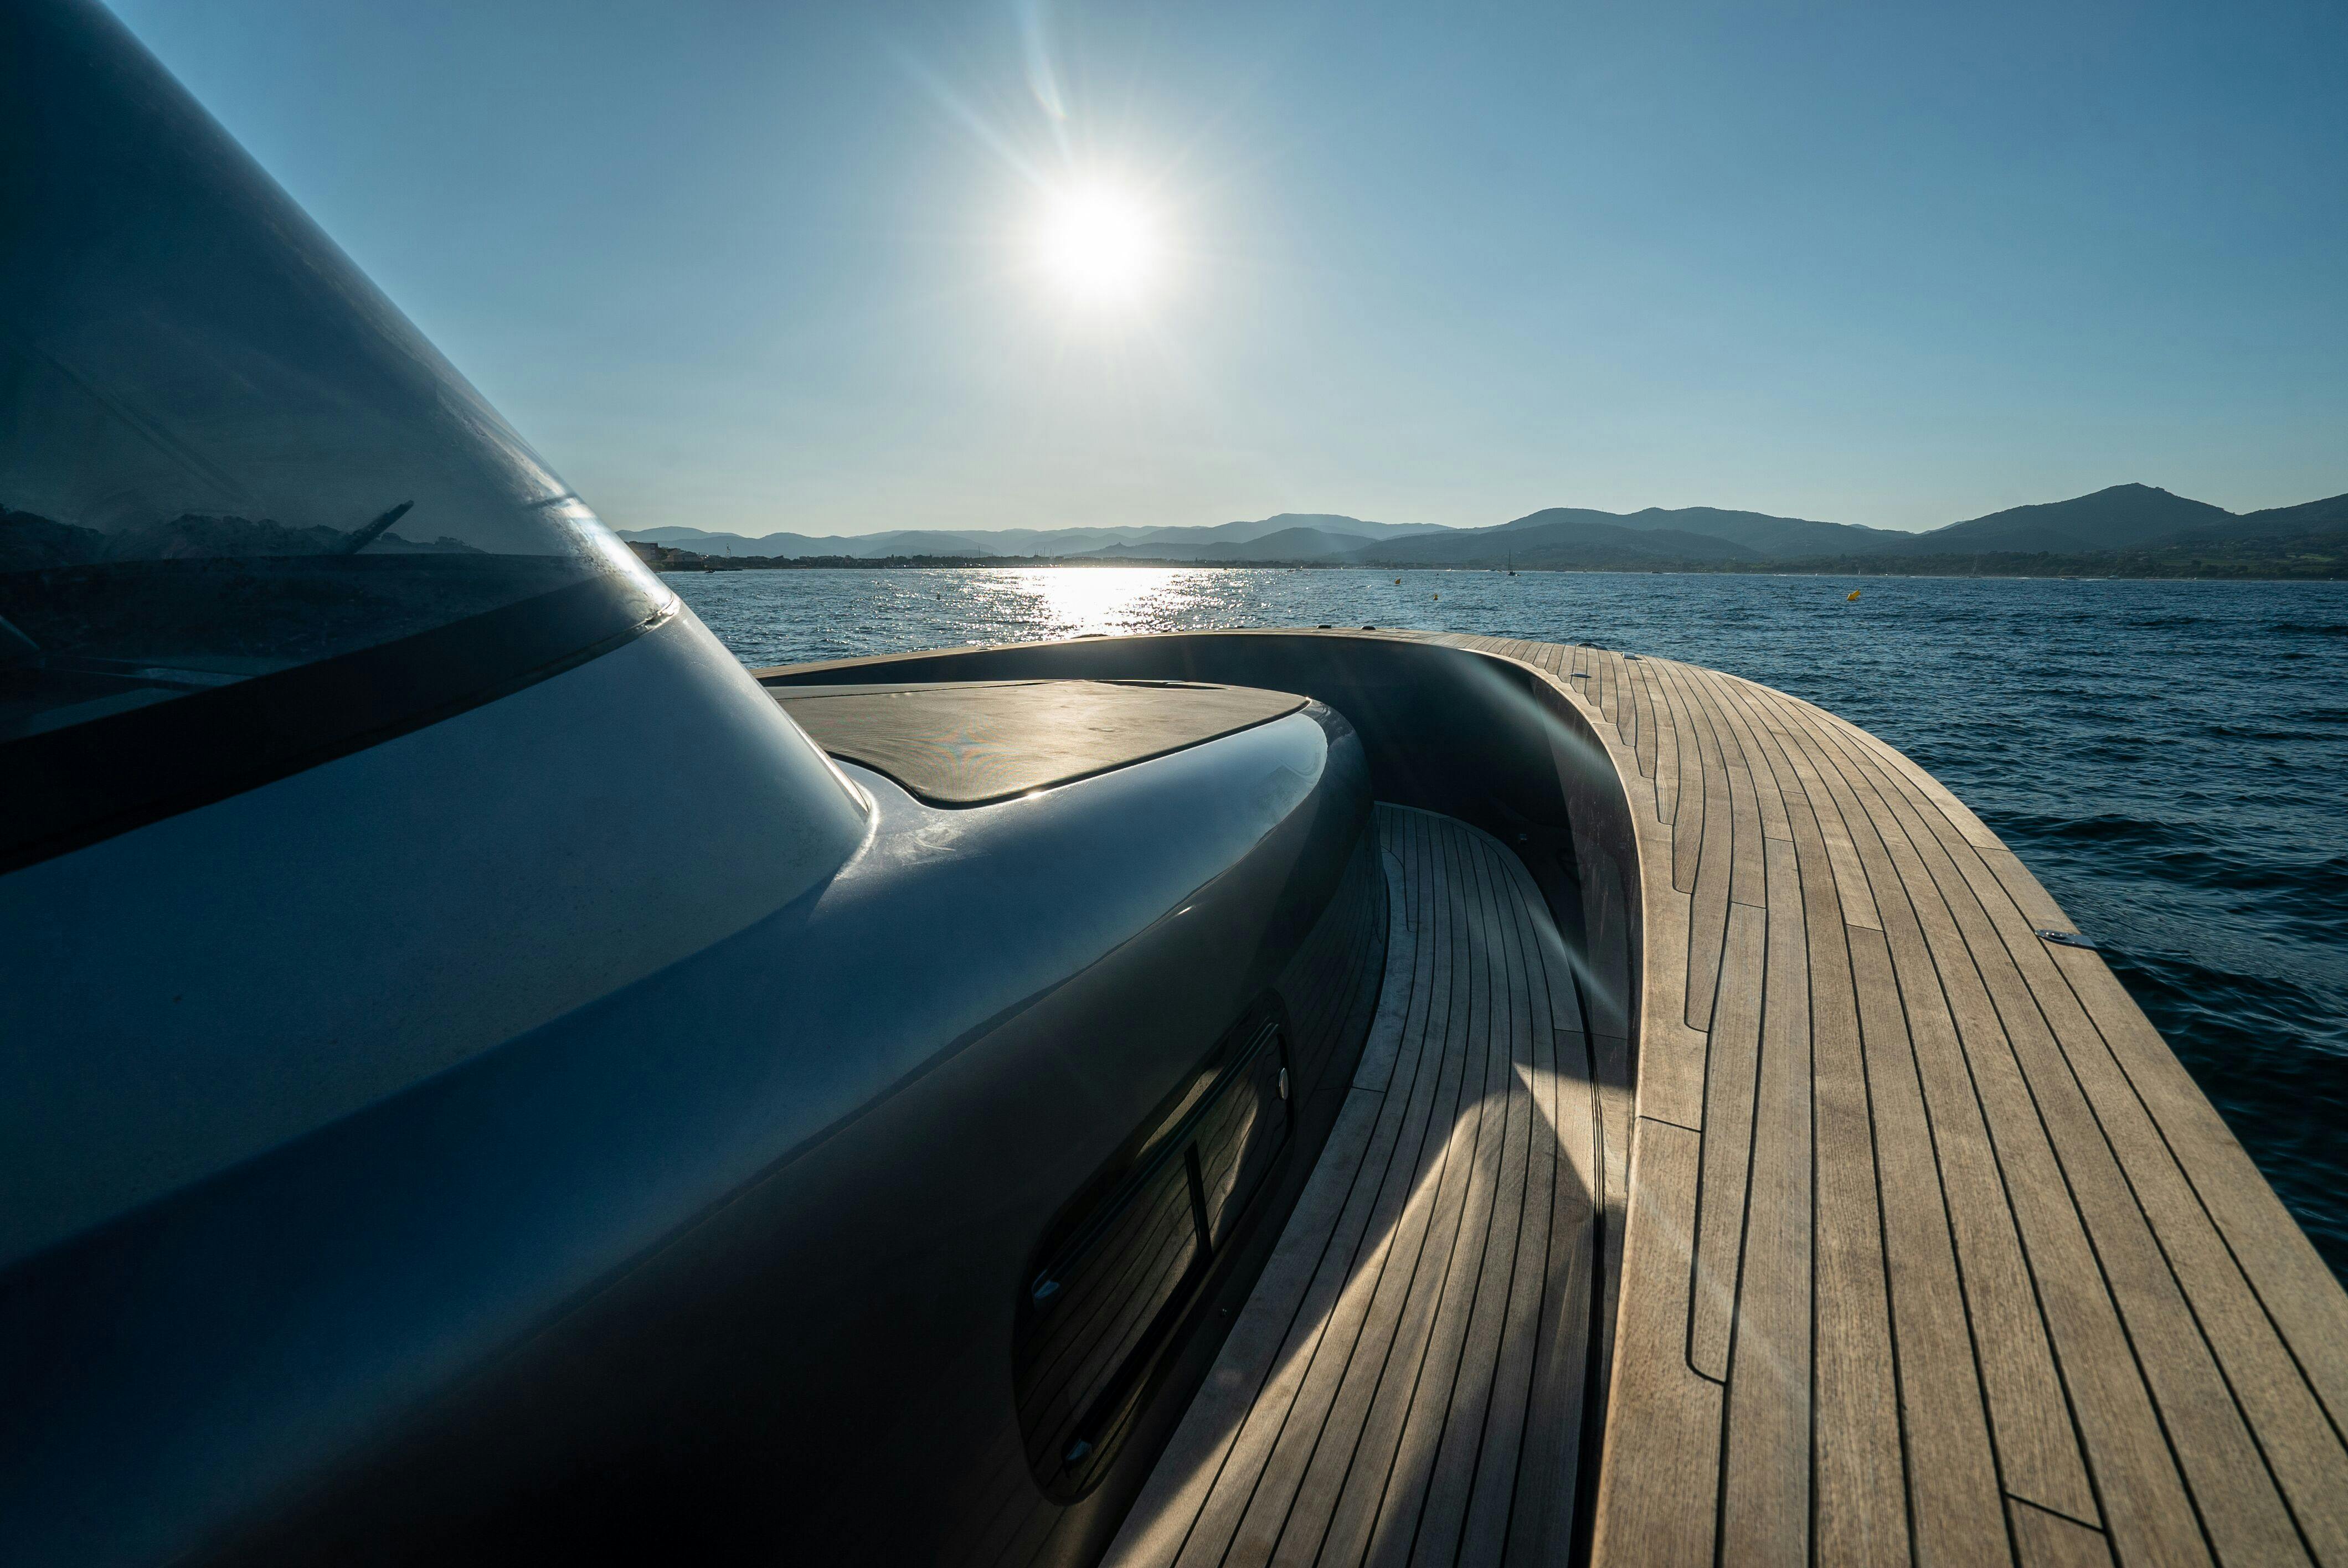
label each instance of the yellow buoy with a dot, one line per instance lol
(1853, 594)
(1438, 596)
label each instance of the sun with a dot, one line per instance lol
(1101, 245)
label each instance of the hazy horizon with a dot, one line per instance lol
(804, 269)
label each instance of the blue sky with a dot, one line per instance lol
(754, 267)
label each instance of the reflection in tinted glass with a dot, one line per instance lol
(222, 452)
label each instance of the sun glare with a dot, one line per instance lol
(1068, 602)
(1101, 246)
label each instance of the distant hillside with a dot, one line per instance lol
(1753, 530)
(1597, 545)
(2148, 527)
(2327, 516)
(1550, 542)
(1291, 543)
(1108, 543)
(869, 547)
(1051, 542)
(927, 542)
(2126, 516)
(1284, 522)
(1286, 545)
(1306, 536)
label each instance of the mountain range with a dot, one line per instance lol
(1291, 536)
(2124, 518)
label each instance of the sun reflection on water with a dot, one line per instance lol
(1061, 601)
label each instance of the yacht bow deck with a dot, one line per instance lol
(1931, 1251)
(1935, 1252)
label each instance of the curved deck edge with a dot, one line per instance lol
(1932, 1250)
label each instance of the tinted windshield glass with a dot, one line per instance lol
(223, 455)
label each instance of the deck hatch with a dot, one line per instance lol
(963, 743)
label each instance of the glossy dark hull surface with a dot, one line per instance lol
(725, 1265)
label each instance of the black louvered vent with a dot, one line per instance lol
(1119, 1267)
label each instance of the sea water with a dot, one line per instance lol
(2170, 758)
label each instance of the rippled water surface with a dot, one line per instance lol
(2170, 758)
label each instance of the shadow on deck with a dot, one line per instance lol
(1405, 1383)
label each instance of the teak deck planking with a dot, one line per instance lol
(1405, 1381)
(1945, 1259)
